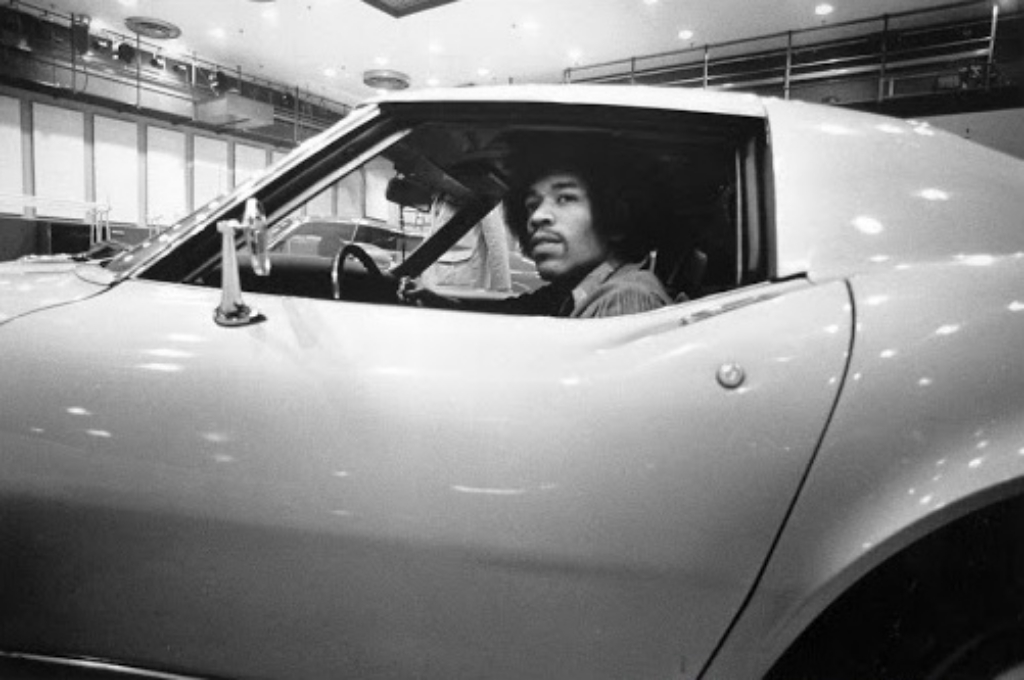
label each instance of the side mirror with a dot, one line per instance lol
(254, 224)
(232, 310)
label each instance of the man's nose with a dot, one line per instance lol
(540, 216)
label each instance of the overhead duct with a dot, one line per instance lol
(235, 111)
(401, 8)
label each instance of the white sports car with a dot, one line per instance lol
(225, 458)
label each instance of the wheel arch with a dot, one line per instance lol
(924, 596)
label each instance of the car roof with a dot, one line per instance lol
(632, 96)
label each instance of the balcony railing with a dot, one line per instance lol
(954, 47)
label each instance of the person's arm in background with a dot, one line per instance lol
(498, 276)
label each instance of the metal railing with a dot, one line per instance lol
(95, 215)
(949, 47)
(64, 53)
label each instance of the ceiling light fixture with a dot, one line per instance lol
(401, 8)
(155, 29)
(824, 10)
(685, 34)
(385, 79)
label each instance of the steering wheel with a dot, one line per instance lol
(379, 280)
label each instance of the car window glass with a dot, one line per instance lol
(426, 198)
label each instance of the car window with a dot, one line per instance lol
(424, 195)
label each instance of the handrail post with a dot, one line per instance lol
(884, 57)
(632, 70)
(706, 58)
(789, 64)
(991, 45)
(138, 71)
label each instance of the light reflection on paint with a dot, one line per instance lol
(167, 353)
(79, 411)
(981, 260)
(488, 491)
(948, 329)
(868, 225)
(932, 194)
(160, 367)
(215, 437)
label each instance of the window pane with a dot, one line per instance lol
(58, 137)
(165, 176)
(249, 161)
(10, 142)
(117, 168)
(211, 169)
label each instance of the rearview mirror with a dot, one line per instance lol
(409, 194)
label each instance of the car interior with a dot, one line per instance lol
(409, 198)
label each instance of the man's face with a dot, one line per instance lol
(562, 240)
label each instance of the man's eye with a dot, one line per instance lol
(566, 198)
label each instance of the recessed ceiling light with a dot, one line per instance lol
(685, 34)
(435, 48)
(483, 72)
(218, 33)
(575, 55)
(824, 9)
(330, 72)
(270, 13)
(433, 82)
(530, 25)
(381, 61)
(650, 2)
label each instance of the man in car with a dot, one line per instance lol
(569, 210)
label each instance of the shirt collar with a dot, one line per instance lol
(592, 281)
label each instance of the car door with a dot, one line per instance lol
(356, 490)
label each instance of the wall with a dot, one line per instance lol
(61, 158)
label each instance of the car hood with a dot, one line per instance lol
(36, 283)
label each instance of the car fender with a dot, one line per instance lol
(929, 428)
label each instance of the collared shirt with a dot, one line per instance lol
(615, 290)
(608, 290)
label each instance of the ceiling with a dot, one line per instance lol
(325, 46)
